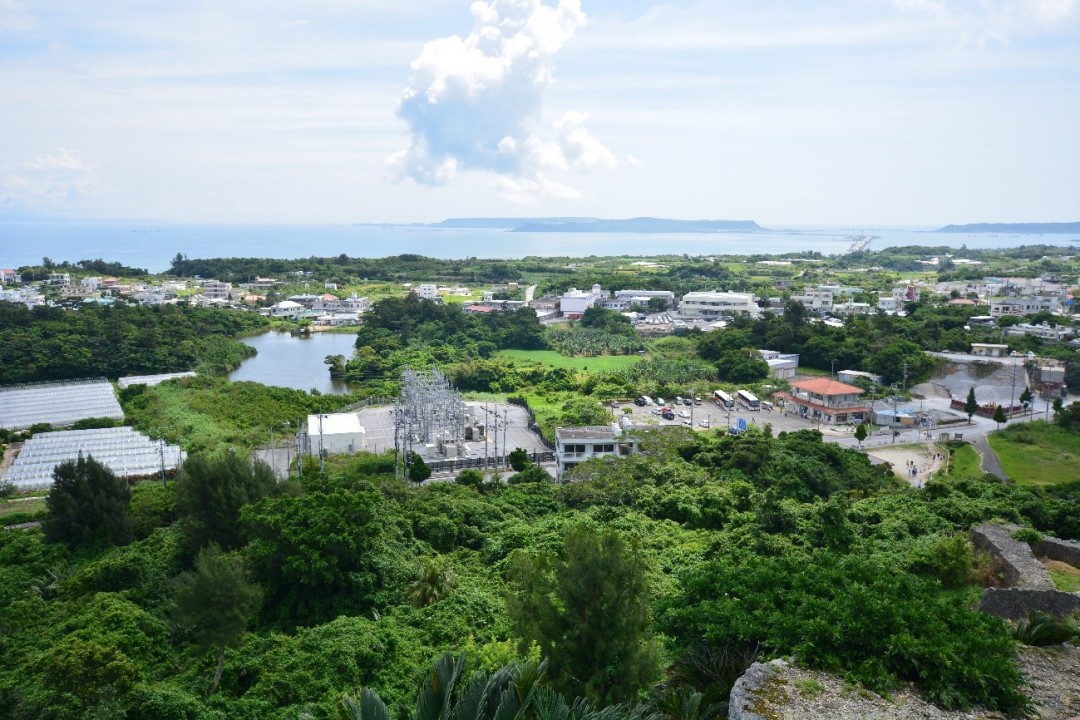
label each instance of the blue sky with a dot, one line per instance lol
(850, 112)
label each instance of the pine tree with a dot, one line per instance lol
(214, 602)
(971, 405)
(87, 503)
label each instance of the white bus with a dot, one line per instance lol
(722, 399)
(747, 399)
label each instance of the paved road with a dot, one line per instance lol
(989, 460)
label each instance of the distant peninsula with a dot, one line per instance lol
(1019, 228)
(599, 225)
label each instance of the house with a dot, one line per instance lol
(59, 278)
(574, 302)
(574, 445)
(815, 299)
(8, 277)
(1043, 331)
(1027, 305)
(781, 366)
(850, 308)
(426, 291)
(989, 349)
(712, 305)
(337, 433)
(825, 400)
(907, 293)
(480, 309)
(356, 304)
(216, 290)
(286, 309)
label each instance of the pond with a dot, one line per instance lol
(295, 361)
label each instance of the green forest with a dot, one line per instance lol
(229, 595)
(48, 343)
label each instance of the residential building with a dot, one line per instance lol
(1043, 331)
(825, 400)
(8, 276)
(663, 294)
(356, 304)
(781, 366)
(989, 349)
(1023, 305)
(216, 290)
(426, 291)
(575, 445)
(574, 302)
(907, 293)
(816, 299)
(286, 309)
(714, 304)
(59, 278)
(850, 308)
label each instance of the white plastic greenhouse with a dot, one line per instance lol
(124, 451)
(60, 403)
(126, 382)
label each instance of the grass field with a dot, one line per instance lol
(964, 463)
(1037, 453)
(21, 505)
(598, 363)
(1066, 577)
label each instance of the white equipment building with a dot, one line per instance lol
(335, 434)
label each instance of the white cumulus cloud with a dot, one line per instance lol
(54, 181)
(476, 104)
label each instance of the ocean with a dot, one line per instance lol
(151, 245)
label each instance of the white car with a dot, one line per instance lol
(684, 414)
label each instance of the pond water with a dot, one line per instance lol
(286, 360)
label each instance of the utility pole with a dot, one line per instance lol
(1012, 393)
(288, 460)
(161, 452)
(894, 401)
(322, 455)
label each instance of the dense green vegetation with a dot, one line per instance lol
(733, 547)
(113, 341)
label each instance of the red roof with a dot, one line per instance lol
(962, 301)
(825, 386)
(480, 309)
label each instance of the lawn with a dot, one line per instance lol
(964, 463)
(1066, 577)
(597, 363)
(22, 505)
(1038, 453)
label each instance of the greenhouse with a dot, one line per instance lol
(59, 403)
(148, 380)
(123, 450)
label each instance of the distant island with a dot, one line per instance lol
(599, 225)
(1020, 228)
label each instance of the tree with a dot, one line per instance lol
(1026, 398)
(519, 459)
(531, 474)
(470, 477)
(87, 503)
(419, 471)
(999, 416)
(214, 602)
(210, 493)
(435, 580)
(742, 366)
(861, 433)
(588, 609)
(971, 405)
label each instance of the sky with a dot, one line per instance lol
(787, 112)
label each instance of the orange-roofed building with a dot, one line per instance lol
(826, 400)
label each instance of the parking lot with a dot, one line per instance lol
(709, 416)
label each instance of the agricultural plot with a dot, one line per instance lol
(123, 450)
(59, 403)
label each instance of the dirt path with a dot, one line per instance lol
(923, 458)
(988, 459)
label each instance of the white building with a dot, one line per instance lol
(216, 290)
(715, 304)
(1043, 331)
(989, 349)
(575, 445)
(850, 308)
(817, 299)
(574, 302)
(426, 291)
(286, 309)
(781, 366)
(8, 276)
(889, 304)
(1026, 305)
(335, 434)
(665, 294)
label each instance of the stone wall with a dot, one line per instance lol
(1022, 569)
(1017, 603)
(1067, 551)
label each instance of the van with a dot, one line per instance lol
(678, 400)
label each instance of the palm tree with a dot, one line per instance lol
(434, 582)
(512, 692)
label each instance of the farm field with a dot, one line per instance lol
(1037, 454)
(597, 363)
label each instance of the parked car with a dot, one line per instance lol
(704, 423)
(697, 401)
(640, 402)
(660, 401)
(688, 401)
(684, 414)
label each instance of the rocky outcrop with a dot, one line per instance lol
(780, 690)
